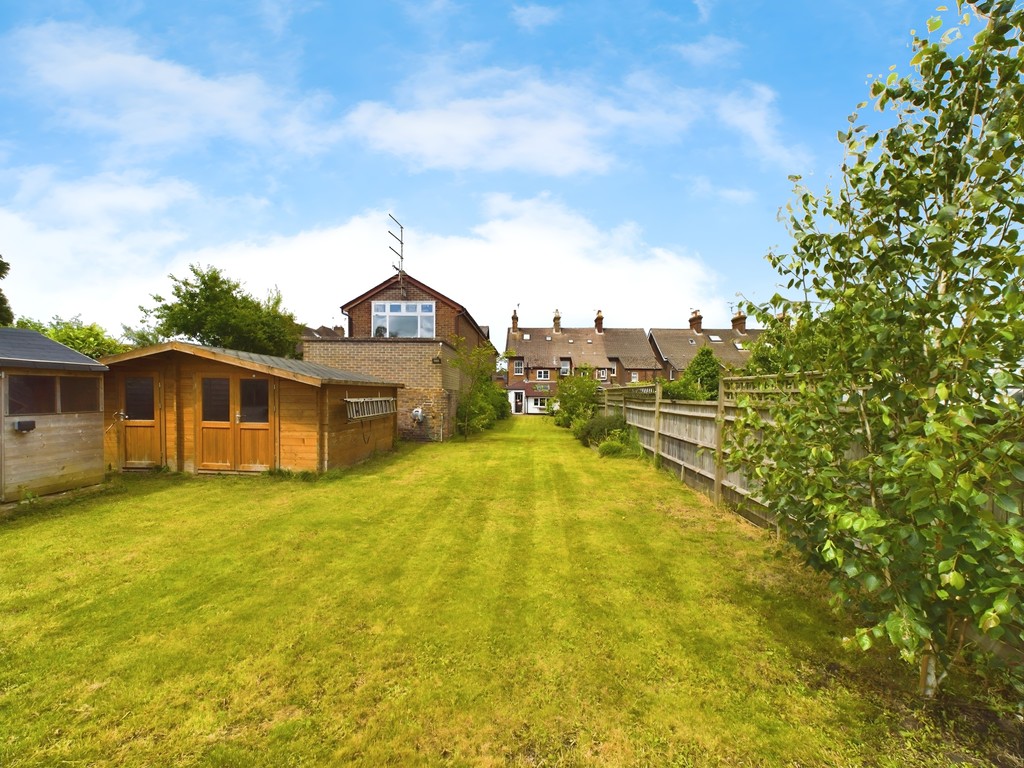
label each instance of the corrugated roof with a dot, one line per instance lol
(24, 348)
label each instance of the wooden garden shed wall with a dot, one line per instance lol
(64, 451)
(309, 425)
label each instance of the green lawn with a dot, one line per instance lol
(511, 600)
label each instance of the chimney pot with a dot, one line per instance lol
(739, 322)
(599, 322)
(515, 321)
(695, 321)
(557, 322)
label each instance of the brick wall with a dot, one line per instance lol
(434, 387)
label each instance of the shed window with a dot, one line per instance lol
(31, 394)
(79, 394)
(403, 320)
(139, 400)
(370, 407)
(254, 401)
(217, 400)
(52, 394)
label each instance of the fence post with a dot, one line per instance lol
(657, 424)
(720, 442)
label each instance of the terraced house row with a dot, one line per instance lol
(539, 356)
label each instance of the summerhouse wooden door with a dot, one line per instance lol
(140, 426)
(234, 423)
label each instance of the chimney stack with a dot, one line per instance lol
(739, 322)
(515, 321)
(599, 322)
(557, 322)
(695, 321)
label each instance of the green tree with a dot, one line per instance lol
(577, 396)
(482, 402)
(212, 309)
(895, 460)
(91, 340)
(704, 371)
(6, 313)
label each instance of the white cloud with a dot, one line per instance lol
(578, 267)
(709, 50)
(702, 188)
(102, 82)
(704, 8)
(532, 17)
(498, 119)
(752, 115)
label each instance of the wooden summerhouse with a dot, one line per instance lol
(52, 436)
(204, 409)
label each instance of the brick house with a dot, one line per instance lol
(538, 357)
(675, 348)
(404, 331)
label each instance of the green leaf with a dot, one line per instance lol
(934, 23)
(934, 469)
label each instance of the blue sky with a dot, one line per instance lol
(628, 157)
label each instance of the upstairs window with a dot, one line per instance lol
(602, 374)
(564, 370)
(403, 319)
(543, 374)
(517, 367)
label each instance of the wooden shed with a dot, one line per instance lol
(205, 409)
(52, 436)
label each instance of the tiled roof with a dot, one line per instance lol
(23, 348)
(631, 348)
(546, 348)
(680, 345)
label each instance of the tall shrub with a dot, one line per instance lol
(895, 459)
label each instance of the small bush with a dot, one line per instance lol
(622, 442)
(594, 430)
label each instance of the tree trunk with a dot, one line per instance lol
(929, 678)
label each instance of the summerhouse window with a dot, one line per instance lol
(403, 319)
(369, 407)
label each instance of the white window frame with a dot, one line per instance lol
(634, 377)
(543, 374)
(602, 374)
(566, 368)
(387, 315)
(517, 367)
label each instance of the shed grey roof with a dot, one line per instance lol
(680, 345)
(24, 348)
(311, 373)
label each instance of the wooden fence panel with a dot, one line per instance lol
(687, 436)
